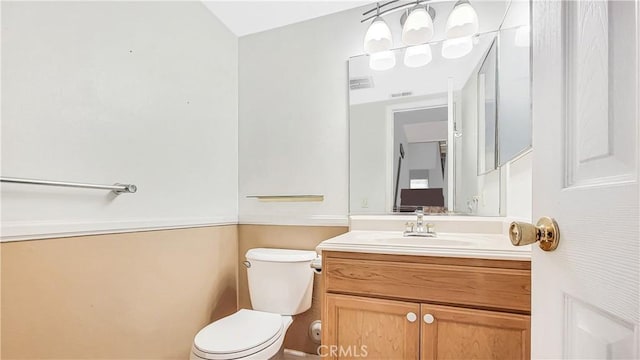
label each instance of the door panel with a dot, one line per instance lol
(457, 333)
(595, 334)
(600, 92)
(586, 294)
(358, 327)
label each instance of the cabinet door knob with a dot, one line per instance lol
(412, 317)
(428, 318)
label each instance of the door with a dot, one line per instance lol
(458, 333)
(585, 294)
(370, 328)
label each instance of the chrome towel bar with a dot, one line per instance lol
(116, 188)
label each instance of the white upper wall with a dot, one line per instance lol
(294, 119)
(147, 93)
(105, 92)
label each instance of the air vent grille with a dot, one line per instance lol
(365, 82)
(401, 94)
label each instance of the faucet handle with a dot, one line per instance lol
(430, 228)
(408, 227)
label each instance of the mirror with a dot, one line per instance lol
(514, 84)
(431, 126)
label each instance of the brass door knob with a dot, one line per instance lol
(546, 231)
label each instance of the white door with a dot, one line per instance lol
(586, 298)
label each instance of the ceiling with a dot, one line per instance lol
(248, 17)
(423, 125)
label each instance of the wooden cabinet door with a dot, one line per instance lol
(356, 327)
(459, 333)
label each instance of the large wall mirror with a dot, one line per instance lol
(432, 125)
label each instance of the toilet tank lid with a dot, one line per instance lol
(280, 255)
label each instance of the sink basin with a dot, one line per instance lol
(422, 241)
(390, 238)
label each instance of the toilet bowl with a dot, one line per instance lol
(280, 285)
(247, 334)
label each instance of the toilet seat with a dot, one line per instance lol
(239, 335)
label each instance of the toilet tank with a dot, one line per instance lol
(280, 280)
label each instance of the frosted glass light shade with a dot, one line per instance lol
(416, 56)
(522, 36)
(378, 37)
(463, 21)
(383, 60)
(418, 28)
(457, 48)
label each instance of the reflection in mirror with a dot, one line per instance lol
(487, 111)
(421, 137)
(430, 125)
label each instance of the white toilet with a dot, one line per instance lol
(280, 285)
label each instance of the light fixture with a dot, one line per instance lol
(457, 48)
(378, 37)
(463, 21)
(418, 25)
(416, 56)
(418, 29)
(522, 36)
(383, 60)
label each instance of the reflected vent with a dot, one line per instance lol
(401, 94)
(365, 82)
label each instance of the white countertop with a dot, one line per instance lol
(464, 245)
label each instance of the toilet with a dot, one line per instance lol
(280, 285)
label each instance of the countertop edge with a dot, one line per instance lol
(441, 252)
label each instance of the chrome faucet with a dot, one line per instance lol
(420, 229)
(419, 222)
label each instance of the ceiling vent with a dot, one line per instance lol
(365, 82)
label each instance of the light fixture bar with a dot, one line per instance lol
(378, 7)
(394, 9)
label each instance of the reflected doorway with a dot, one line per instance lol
(420, 159)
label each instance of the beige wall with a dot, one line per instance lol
(290, 237)
(136, 295)
(119, 296)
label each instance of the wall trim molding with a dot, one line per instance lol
(40, 230)
(294, 220)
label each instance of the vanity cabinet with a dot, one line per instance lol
(459, 333)
(421, 307)
(381, 325)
